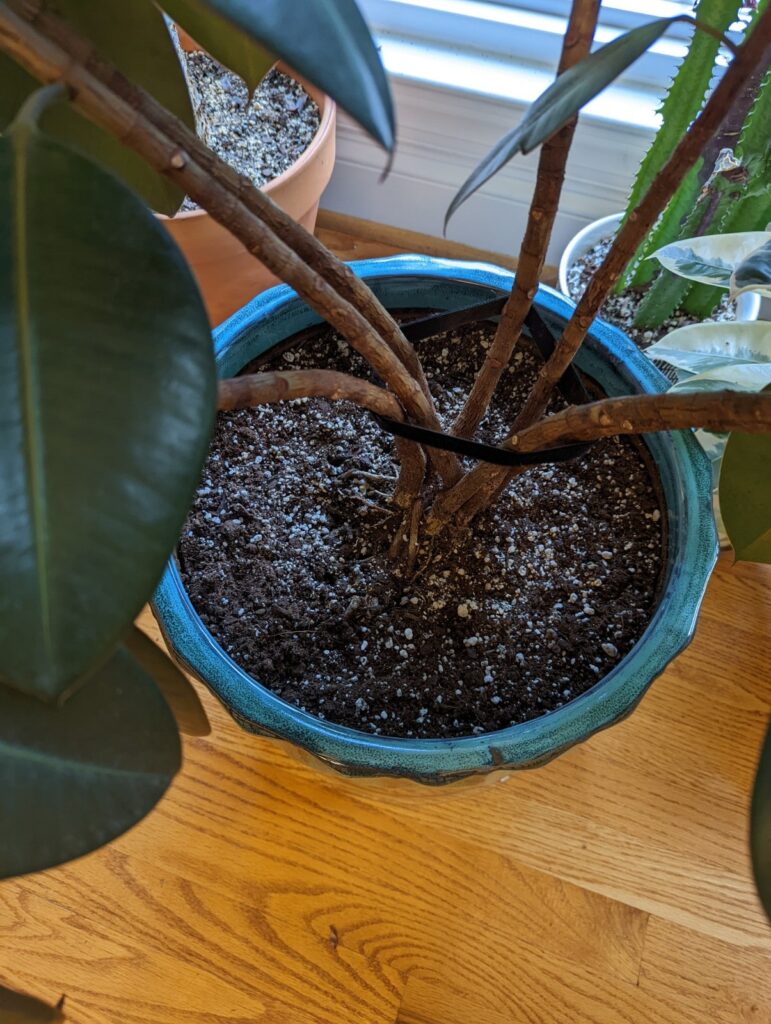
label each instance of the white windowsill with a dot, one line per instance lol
(452, 105)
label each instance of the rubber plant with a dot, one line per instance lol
(108, 387)
(729, 187)
(108, 395)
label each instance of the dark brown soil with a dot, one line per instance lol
(285, 558)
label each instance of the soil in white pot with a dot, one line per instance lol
(621, 309)
(285, 559)
(260, 137)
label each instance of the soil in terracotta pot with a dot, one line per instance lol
(261, 137)
(285, 559)
(621, 309)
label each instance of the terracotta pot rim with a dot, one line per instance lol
(326, 107)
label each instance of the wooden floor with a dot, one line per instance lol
(610, 886)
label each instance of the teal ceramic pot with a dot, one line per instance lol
(616, 365)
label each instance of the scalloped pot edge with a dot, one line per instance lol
(614, 362)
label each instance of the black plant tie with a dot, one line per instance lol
(570, 387)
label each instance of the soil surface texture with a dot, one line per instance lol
(261, 137)
(285, 558)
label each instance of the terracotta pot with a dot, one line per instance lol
(227, 274)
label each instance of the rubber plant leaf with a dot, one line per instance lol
(745, 495)
(75, 776)
(107, 397)
(708, 346)
(753, 274)
(19, 1008)
(760, 826)
(710, 259)
(180, 694)
(327, 41)
(571, 91)
(223, 40)
(134, 37)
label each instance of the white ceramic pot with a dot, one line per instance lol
(747, 305)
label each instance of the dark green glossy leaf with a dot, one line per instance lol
(134, 37)
(753, 273)
(76, 776)
(179, 692)
(745, 495)
(107, 395)
(562, 100)
(19, 1008)
(760, 826)
(327, 41)
(224, 41)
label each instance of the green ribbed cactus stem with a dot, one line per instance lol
(665, 295)
(751, 214)
(682, 103)
(752, 210)
(669, 290)
(667, 227)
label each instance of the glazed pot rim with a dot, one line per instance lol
(327, 108)
(693, 542)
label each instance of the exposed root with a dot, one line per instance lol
(412, 549)
(412, 472)
(401, 537)
(379, 477)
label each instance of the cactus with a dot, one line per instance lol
(753, 210)
(681, 105)
(734, 204)
(669, 291)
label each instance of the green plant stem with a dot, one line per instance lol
(669, 225)
(722, 195)
(37, 103)
(751, 209)
(663, 297)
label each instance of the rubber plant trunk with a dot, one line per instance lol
(227, 274)
(608, 357)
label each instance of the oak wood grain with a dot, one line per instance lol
(610, 887)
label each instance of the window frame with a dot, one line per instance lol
(510, 30)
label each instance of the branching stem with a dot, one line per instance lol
(286, 385)
(478, 488)
(49, 49)
(532, 255)
(642, 414)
